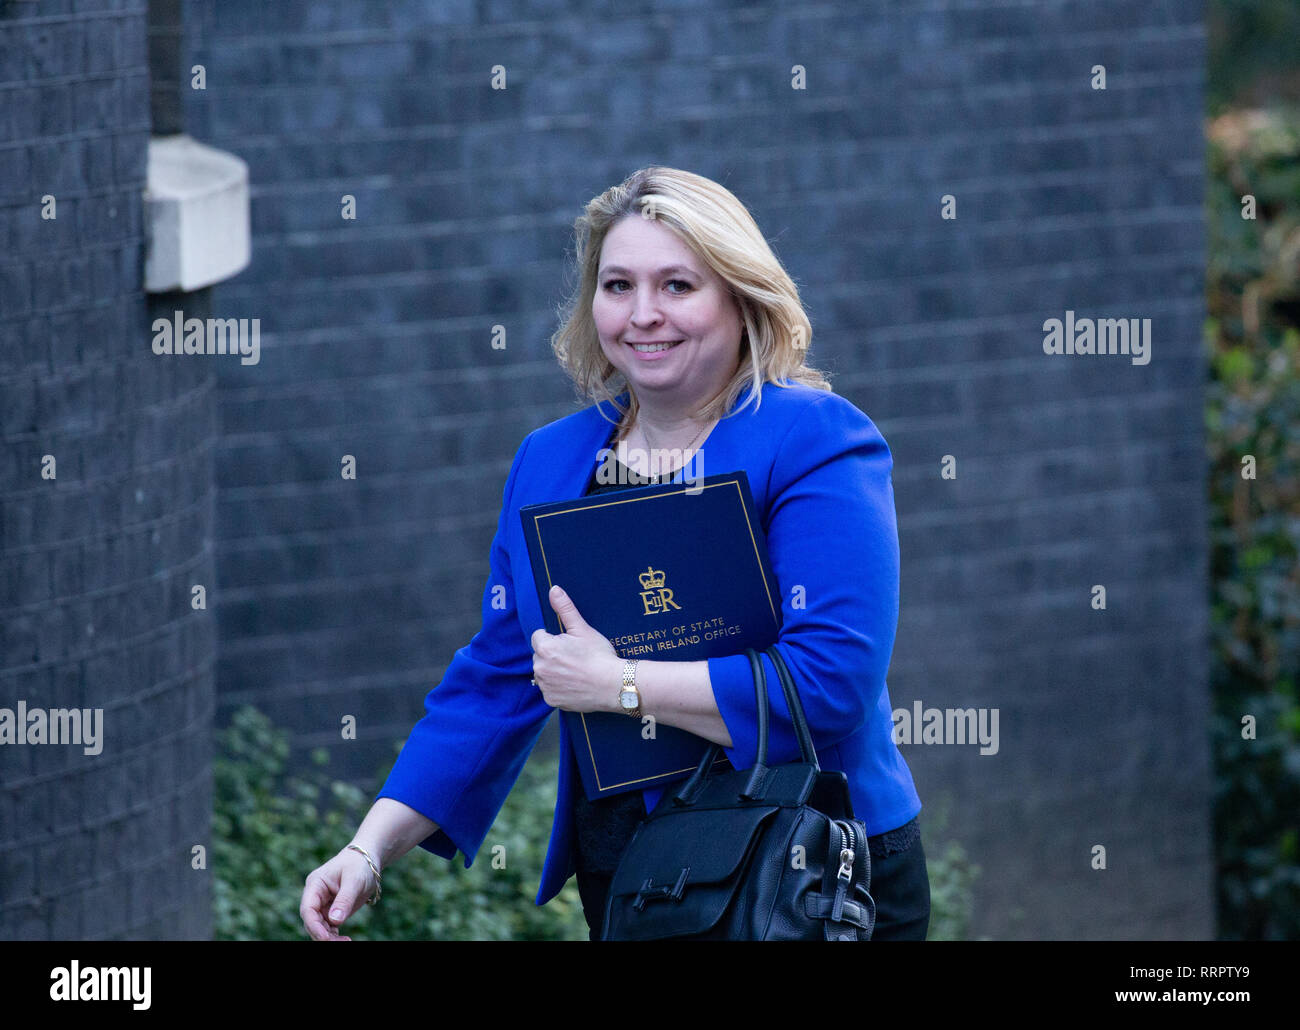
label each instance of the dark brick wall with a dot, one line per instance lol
(349, 597)
(96, 565)
(343, 597)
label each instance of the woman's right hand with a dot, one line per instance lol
(333, 892)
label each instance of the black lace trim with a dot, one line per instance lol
(891, 842)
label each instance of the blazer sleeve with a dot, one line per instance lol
(481, 721)
(833, 541)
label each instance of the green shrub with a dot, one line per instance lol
(272, 828)
(1252, 52)
(951, 877)
(952, 874)
(1253, 409)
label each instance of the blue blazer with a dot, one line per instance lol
(820, 473)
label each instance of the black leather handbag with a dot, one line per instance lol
(759, 854)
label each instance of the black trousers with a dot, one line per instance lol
(900, 886)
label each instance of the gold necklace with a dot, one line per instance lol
(685, 450)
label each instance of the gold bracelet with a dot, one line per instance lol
(374, 868)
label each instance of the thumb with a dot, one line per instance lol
(566, 610)
(345, 901)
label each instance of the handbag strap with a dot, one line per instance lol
(754, 785)
(801, 730)
(758, 775)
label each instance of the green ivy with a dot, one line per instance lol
(272, 828)
(952, 877)
(1253, 410)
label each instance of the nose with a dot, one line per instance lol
(645, 309)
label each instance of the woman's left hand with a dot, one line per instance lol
(577, 670)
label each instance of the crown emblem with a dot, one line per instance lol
(651, 579)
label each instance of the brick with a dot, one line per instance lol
(130, 158)
(18, 872)
(24, 920)
(106, 908)
(102, 47)
(52, 49)
(15, 289)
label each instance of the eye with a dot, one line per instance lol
(677, 293)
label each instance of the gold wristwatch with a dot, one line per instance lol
(628, 698)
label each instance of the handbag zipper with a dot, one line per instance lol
(846, 852)
(848, 841)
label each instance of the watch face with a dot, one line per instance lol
(628, 698)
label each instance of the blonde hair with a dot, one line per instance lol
(721, 232)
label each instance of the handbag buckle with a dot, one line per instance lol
(662, 892)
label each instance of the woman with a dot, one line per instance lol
(682, 304)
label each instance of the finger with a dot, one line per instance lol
(315, 898)
(539, 637)
(566, 610)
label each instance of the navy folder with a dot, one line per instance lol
(670, 572)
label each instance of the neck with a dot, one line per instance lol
(667, 423)
(666, 426)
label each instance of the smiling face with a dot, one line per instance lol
(652, 289)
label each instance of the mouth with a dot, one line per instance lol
(654, 348)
